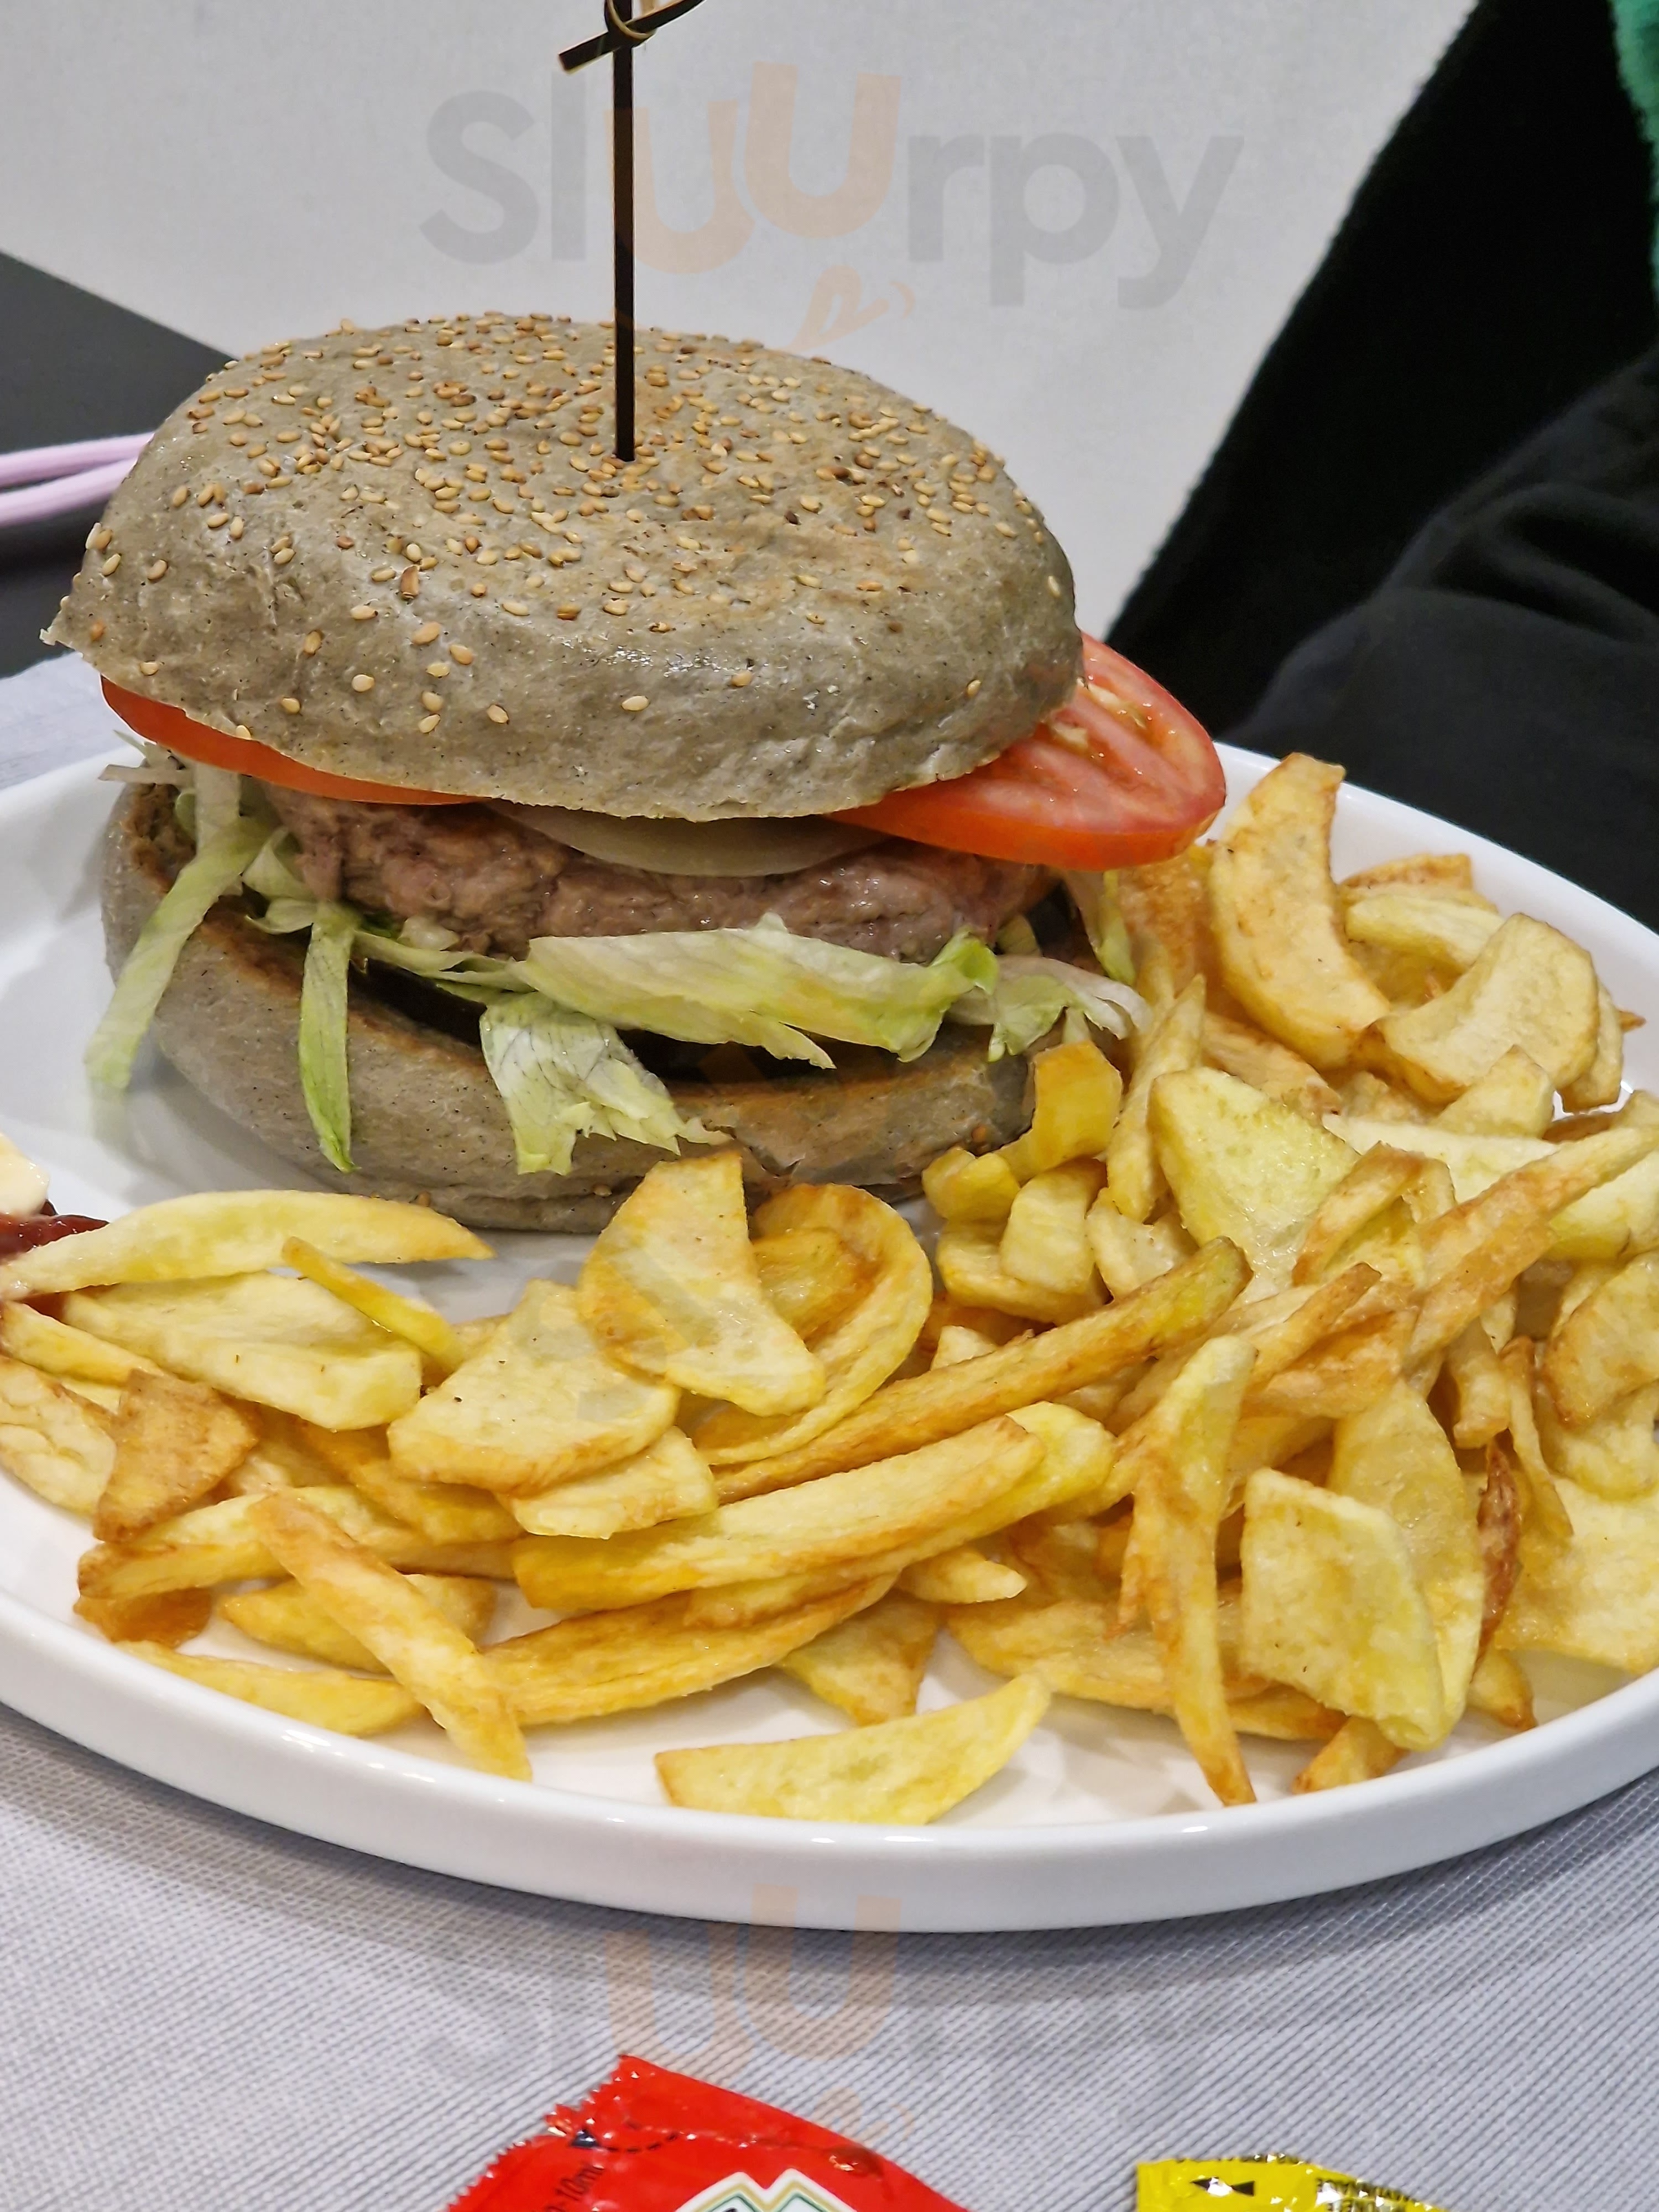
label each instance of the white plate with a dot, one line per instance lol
(1101, 1818)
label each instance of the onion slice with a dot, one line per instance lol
(751, 847)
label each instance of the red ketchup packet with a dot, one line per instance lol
(650, 2140)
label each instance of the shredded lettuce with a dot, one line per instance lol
(763, 986)
(216, 869)
(562, 1075)
(323, 994)
(1030, 995)
(218, 800)
(1095, 900)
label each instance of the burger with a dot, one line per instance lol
(509, 813)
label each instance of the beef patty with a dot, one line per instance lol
(497, 883)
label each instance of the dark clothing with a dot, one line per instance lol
(1506, 673)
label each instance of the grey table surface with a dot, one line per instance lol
(196, 2009)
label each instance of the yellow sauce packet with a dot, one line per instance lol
(1265, 2184)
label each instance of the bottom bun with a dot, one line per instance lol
(426, 1121)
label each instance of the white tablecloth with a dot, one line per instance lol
(197, 2010)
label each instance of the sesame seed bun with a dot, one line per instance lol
(851, 599)
(428, 1118)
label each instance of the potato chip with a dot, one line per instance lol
(1333, 1606)
(617, 1663)
(1348, 1372)
(1128, 1253)
(1544, 1515)
(1614, 1222)
(897, 1773)
(1079, 1093)
(1476, 1160)
(1368, 1096)
(1500, 1690)
(1171, 1043)
(669, 1480)
(1177, 1459)
(672, 1288)
(870, 1667)
(290, 1619)
(1602, 1081)
(1279, 934)
(442, 1512)
(1065, 1558)
(57, 1349)
(1267, 1066)
(52, 1441)
(1046, 1240)
(970, 1261)
(1441, 928)
(962, 1576)
(267, 1338)
(543, 1403)
(1243, 1166)
(872, 1339)
(1530, 987)
(960, 1188)
(837, 1522)
(1607, 1346)
(904, 1415)
(1597, 1596)
(1396, 1457)
(415, 1643)
(1375, 1183)
(171, 1617)
(812, 1278)
(344, 1703)
(175, 1441)
(416, 1324)
(1358, 1752)
(1515, 1097)
(234, 1232)
(1616, 1455)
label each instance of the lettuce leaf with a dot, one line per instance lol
(217, 869)
(1095, 900)
(763, 986)
(1030, 995)
(323, 996)
(562, 1075)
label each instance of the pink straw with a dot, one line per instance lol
(59, 479)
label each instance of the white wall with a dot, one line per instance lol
(240, 172)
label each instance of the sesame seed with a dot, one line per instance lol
(480, 591)
(95, 631)
(289, 706)
(149, 667)
(568, 613)
(870, 584)
(1055, 586)
(497, 715)
(431, 702)
(427, 724)
(155, 571)
(463, 653)
(180, 496)
(237, 526)
(974, 689)
(809, 581)
(362, 614)
(1006, 530)
(427, 634)
(636, 705)
(437, 668)
(409, 583)
(743, 678)
(109, 567)
(243, 731)
(362, 683)
(314, 639)
(615, 607)
(381, 575)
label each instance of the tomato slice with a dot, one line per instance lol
(1120, 775)
(172, 727)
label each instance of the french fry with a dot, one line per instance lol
(234, 1232)
(1602, 1081)
(1607, 1346)
(870, 1340)
(1481, 1390)
(1172, 1042)
(837, 1522)
(1243, 1166)
(174, 1443)
(958, 1343)
(904, 1416)
(1333, 1606)
(442, 1512)
(961, 1187)
(969, 1260)
(1079, 1093)
(1438, 928)
(1267, 1066)
(543, 1403)
(1283, 951)
(1128, 1253)
(1501, 1692)
(1441, 872)
(1499, 1523)
(1176, 1458)
(419, 1325)
(1045, 1241)
(1530, 987)
(52, 1441)
(172, 1618)
(71, 1354)
(1596, 1597)
(672, 1288)
(1166, 909)
(1475, 1159)
(267, 1338)
(290, 1619)
(962, 1576)
(432, 1660)
(1358, 1752)
(345, 1704)
(646, 1654)
(1347, 1373)
(871, 1665)
(1616, 1455)
(1515, 1097)
(669, 1480)
(1544, 1515)
(904, 1771)
(1377, 1180)
(811, 1276)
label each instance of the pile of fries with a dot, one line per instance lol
(1290, 1380)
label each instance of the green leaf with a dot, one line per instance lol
(216, 870)
(563, 1075)
(323, 1009)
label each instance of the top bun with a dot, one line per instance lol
(806, 592)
